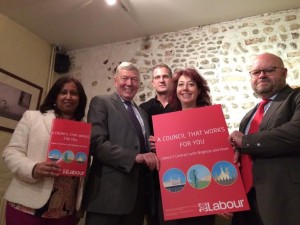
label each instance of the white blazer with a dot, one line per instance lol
(28, 146)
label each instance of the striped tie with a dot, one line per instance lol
(137, 126)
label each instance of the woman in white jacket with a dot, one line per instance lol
(37, 195)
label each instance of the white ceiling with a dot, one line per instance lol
(75, 24)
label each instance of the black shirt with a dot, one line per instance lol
(154, 107)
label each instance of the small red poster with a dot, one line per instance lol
(197, 174)
(69, 146)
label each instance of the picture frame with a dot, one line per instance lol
(16, 96)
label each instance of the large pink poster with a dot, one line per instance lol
(197, 175)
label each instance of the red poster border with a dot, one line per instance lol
(195, 142)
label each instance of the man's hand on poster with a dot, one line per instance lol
(152, 141)
(150, 159)
(235, 139)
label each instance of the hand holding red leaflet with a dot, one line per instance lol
(46, 169)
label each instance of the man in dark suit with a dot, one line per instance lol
(117, 186)
(274, 149)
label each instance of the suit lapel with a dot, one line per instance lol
(145, 119)
(273, 107)
(116, 100)
(146, 126)
(246, 119)
(279, 99)
(121, 108)
(48, 118)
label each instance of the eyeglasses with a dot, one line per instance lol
(267, 71)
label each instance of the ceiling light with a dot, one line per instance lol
(110, 2)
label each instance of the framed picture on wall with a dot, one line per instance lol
(16, 96)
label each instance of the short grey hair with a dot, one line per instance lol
(127, 66)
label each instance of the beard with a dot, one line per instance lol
(163, 92)
(268, 89)
(264, 90)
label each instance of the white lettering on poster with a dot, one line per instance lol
(220, 205)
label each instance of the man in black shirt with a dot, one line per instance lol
(161, 81)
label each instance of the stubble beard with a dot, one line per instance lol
(162, 92)
(264, 90)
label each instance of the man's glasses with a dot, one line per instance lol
(267, 71)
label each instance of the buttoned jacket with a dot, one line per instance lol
(275, 151)
(113, 180)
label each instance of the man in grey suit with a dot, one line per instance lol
(117, 186)
(274, 148)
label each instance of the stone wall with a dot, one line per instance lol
(221, 52)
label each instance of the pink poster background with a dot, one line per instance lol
(69, 146)
(197, 175)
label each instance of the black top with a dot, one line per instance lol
(154, 107)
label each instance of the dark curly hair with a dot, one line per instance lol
(204, 97)
(49, 102)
